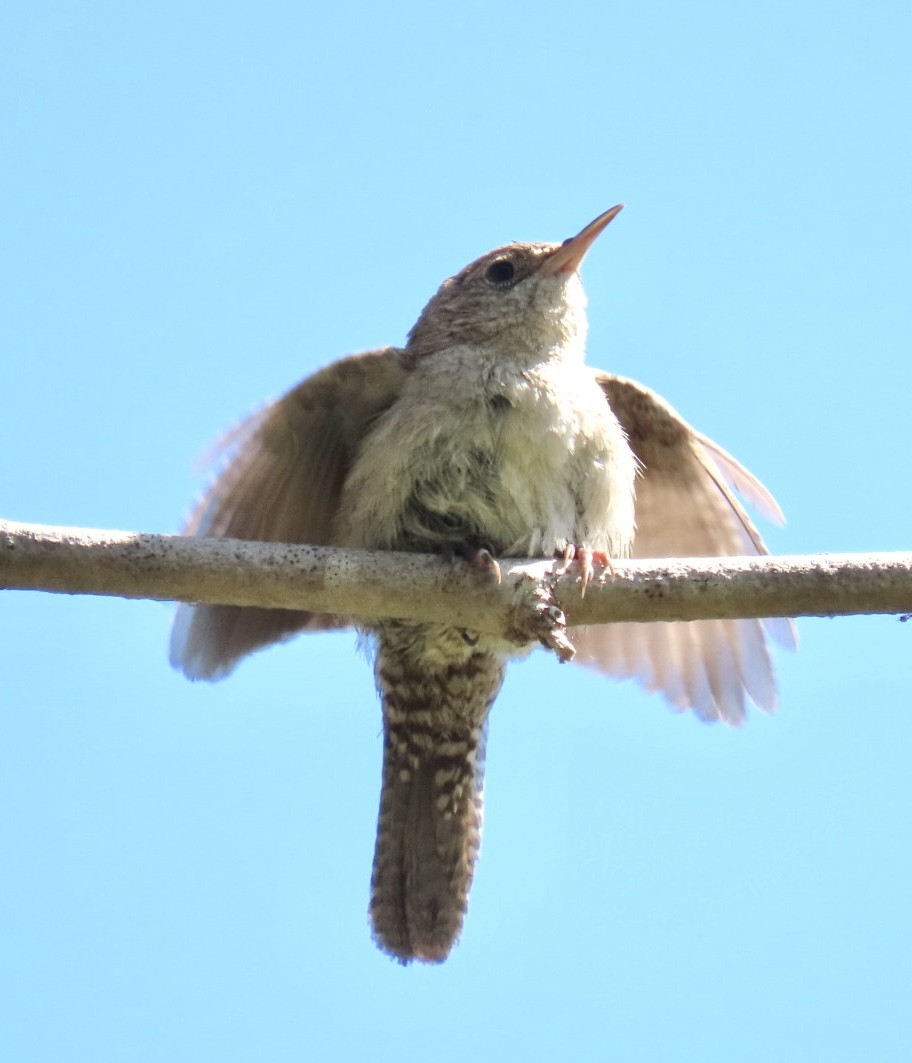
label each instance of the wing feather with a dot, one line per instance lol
(283, 471)
(686, 507)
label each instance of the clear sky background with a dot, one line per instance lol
(201, 203)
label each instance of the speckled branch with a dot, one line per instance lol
(527, 601)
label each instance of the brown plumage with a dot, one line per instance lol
(486, 431)
(435, 711)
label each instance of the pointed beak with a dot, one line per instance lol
(567, 257)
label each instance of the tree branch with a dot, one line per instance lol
(424, 587)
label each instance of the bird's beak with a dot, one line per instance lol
(567, 257)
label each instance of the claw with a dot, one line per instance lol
(566, 558)
(584, 557)
(603, 559)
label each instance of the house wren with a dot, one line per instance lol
(486, 432)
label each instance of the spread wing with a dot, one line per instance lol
(685, 507)
(283, 474)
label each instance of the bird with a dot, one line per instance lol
(487, 434)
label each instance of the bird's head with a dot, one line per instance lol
(522, 297)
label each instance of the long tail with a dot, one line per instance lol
(429, 827)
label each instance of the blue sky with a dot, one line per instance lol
(202, 203)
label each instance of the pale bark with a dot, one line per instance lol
(369, 585)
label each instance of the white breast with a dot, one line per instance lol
(560, 469)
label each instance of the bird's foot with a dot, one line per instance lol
(583, 557)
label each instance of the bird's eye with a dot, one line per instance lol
(500, 271)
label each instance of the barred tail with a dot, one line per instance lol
(429, 827)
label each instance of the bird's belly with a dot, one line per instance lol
(523, 476)
(486, 494)
(536, 490)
